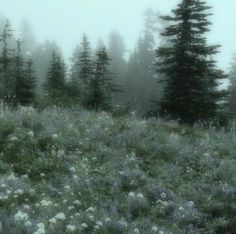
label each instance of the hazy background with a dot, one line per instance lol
(66, 20)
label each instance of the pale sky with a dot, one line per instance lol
(66, 20)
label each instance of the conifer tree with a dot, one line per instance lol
(191, 93)
(24, 80)
(6, 60)
(118, 64)
(85, 68)
(18, 76)
(101, 85)
(55, 83)
(29, 92)
(232, 88)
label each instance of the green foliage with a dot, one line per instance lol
(55, 83)
(113, 174)
(191, 93)
(101, 85)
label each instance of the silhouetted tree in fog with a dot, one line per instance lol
(191, 93)
(101, 85)
(118, 64)
(6, 63)
(27, 38)
(232, 88)
(55, 82)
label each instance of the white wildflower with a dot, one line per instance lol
(21, 216)
(140, 195)
(181, 208)
(99, 223)
(60, 216)
(8, 191)
(24, 176)
(41, 229)
(32, 191)
(84, 225)
(90, 209)
(206, 155)
(54, 136)
(131, 194)
(45, 203)
(70, 207)
(53, 220)
(11, 177)
(165, 203)
(70, 228)
(191, 203)
(31, 133)
(123, 223)
(13, 138)
(136, 230)
(67, 187)
(28, 224)
(154, 228)
(72, 169)
(77, 202)
(19, 191)
(26, 207)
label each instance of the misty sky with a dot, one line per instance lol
(66, 20)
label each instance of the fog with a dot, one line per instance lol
(66, 20)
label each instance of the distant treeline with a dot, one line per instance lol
(170, 73)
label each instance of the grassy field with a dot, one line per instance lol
(75, 171)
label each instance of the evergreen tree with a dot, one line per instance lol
(74, 70)
(232, 88)
(42, 56)
(24, 80)
(6, 61)
(101, 84)
(29, 92)
(191, 93)
(55, 83)
(19, 76)
(118, 65)
(28, 38)
(73, 86)
(85, 68)
(141, 82)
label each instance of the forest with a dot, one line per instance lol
(114, 141)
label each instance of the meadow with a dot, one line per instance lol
(78, 171)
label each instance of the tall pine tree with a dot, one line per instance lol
(29, 91)
(191, 93)
(232, 88)
(25, 82)
(55, 83)
(85, 68)
(101, 85)
(6, 62)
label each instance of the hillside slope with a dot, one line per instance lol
(74, 171)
